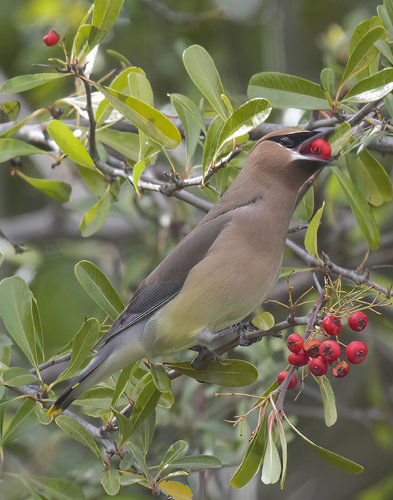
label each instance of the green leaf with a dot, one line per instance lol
(341, 137)
(10, 148)
(191, 119)
(106, 12)
(360, 208)
(370, 178)
(69, 144)
(58, 190)
(78, 432)
(173, 453)
(27, 82)
(249, 116)
(94, 179)
(98, 286)
(271, 467)
(328, 81)
(385, 12)
(54, 488)
(95, 218)
(133, 81)
(17, 310)
(372, 88)
(310, 240)
(195, 462)
(137, 171)
(305, 207)
(287, 91)
(110, 481)
(284, 452)
(122, 382)
(331, 457)
(148, 119)
(86, 38)
(361, 56)
(251, 461)
(176, 490)
(125, 426)
(17, 376)
(328, 400)
(139, 457)
(124, 142)
(144, 434)
(211, 142)
(264, 321)
(11, 109)
(160, 378)
(231, 373)
(18, 423)
(203, 72)
(82, 344)
(145, 404)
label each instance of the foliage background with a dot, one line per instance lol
(296, 37)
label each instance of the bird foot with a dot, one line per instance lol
(243, 329)
(204, 356)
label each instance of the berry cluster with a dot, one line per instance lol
(317, 354)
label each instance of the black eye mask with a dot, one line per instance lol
(292, 140)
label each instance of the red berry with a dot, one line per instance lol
(51, 38)
(298, 358)
(318, 366)
(295, 342)
(332, 325)
(341, 369)
(312, 348)
(330, 350)
(282, 376)
(357, 321)
(356, 352)
(321, 148)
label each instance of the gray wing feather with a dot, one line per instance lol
(167, 279)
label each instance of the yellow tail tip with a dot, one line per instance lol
(54, 412)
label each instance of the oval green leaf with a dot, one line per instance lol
(100, 289)
(203, 72)
(78, 432)
(372, 88)
(271, 467)
(328, 400)
(17, 376)
(110, 481)
(287, 91)
(18, 423)
(305, 207)
(69, 144)
(264, 321)
(95, 218)
(27, 82)
(195, 462)
(310, 239)
(176, 490)
(58, 190)
(231, 373)
(10, 148)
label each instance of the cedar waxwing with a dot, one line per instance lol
(221, 271)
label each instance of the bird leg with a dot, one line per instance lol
(204, 356)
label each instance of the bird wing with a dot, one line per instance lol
(167, 279)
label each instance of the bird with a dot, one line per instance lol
(222, 270)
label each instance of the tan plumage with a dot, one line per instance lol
(220, 272)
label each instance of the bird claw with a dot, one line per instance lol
(243, 330)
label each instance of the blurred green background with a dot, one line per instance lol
(244, 37)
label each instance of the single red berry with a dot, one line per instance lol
(321, 148)
(51, 38)
(295, 342)
(356, 352)
(282, 376)
(330, 350)
(298, 358)
(318, 366)
(357, 321)
(312, 348)
(341, 369)
(332, 325)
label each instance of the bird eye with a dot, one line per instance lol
(287, 142)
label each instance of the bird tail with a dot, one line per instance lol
(81, 383)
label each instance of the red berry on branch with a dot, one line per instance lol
(356, 352)
(295, 342)
(341, 369)
(298, 358)
(282, 376)
(330, 350)
(321, 148)
(332, 325)
(357, 321)
(51, 38)
(318, 366)
(312, 348)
